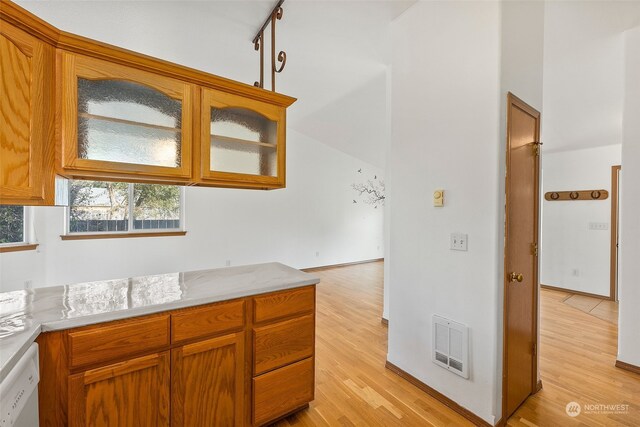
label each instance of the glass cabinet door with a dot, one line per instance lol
(242, 140)
(125, 121)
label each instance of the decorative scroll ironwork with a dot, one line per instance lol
(554, 196)
(277, 63)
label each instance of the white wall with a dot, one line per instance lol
(568, 243)
(445, 117)
(315, 213)
(584, 72)
(629, 286)
(453, 64)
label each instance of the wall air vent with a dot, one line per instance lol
(451, 346)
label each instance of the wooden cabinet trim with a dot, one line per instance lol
(203, 321)
(280, 344)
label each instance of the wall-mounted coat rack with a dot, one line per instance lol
(555, 196)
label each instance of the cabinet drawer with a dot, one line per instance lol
(283, 343)
(97, 344)
(283, 304)
(208, 320)
(282, 391)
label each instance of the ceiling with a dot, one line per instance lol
(337, 53)
(584, 72)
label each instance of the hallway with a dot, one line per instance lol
(353, 388)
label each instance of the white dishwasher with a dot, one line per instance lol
(19, 392)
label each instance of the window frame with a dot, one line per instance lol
(131, 231)
(28, 241)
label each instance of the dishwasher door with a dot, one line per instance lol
(19, 392)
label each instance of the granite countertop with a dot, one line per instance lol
(25, 314)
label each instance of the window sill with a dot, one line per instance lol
(121, 235)
(19, 248)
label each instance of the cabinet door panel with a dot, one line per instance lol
(207, 383)
(130, 393)
(242, 141)
(123, 122)
(26, 96)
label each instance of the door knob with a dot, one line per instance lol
(516, 277)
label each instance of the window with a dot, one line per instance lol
(116, 207)
(12, 225)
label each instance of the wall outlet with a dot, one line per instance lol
(317, 253)
(28, 284)
(228, 263)
(575, 272)
(459, 241)
(598, 226)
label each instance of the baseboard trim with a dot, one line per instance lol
(539, 386)
(476, 420)
(571, 291)
(346, 264)
(385, 322)
(628, 367)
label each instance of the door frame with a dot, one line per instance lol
(615, 208)
(536, 385)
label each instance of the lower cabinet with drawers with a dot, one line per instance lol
(247, 361)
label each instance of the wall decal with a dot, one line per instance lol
(370, 192)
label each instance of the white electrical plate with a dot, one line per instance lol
(598, 226)
(459, 242)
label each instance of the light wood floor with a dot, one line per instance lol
(599, 307)
(353, 388)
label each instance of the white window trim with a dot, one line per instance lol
(27, 229)
(130, 229)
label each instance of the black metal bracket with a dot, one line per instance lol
(258, 44)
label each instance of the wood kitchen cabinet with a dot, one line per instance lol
(207, 382)
(26, 117)
(134, 392)
(123, 122)
(246, 361)
(242, 141)
(83, 109)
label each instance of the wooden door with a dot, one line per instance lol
(26, 118)
(207, 383)
(615, 230)
(521, 253)
(130, 393)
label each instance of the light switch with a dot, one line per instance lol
(438, 198)
(459, 242)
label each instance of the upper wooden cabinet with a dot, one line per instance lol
(242, 141)
(84, 109)
(26, 118)
(121, 121)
